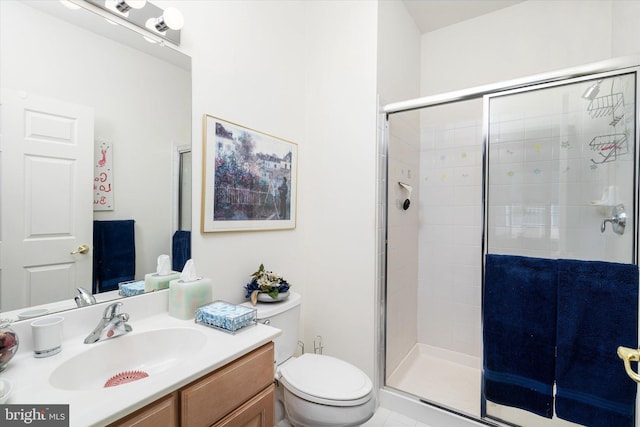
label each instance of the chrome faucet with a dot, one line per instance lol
(618, 220)
(111, 325)
(84, 298)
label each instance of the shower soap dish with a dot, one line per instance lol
(225, 316)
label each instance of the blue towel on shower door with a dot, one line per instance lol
(597, 312)
(114, 255)
(519, 330)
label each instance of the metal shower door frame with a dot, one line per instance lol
(584, 72)
(631, 67)
(635, 70)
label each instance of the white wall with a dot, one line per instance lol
(399, 79)
(338, 196)
(48, 57)
(399, 44)
(303, 71)
(517, 41)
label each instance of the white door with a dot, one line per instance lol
(46, 207)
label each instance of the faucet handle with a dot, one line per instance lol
(111, 311)
(84, 298)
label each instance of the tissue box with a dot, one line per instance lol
(127, 289)
(226, 316)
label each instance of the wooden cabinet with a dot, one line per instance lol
(240, 394)
(161, 413)
(257, 412)
(208, 400)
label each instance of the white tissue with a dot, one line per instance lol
(189, 272)
(163, 266)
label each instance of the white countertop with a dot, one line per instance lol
(101, 406)
(57, 306)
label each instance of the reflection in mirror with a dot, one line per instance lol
(93, 130)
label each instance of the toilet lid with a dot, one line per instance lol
(326, 380)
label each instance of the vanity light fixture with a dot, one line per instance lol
(171, 18)
(125, 6)
(122, 7)
(158, 23)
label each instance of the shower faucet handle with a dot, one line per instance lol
(618, 220)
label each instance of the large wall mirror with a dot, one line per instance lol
(103, 87)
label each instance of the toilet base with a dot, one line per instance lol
(302, 413)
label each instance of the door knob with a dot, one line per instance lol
(629, 355)
(82, 249)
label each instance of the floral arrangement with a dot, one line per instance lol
(265, 282)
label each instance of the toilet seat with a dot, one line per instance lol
(326, 380)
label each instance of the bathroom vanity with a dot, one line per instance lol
(192, 375)
(239, 393)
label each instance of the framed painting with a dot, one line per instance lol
(249, 179)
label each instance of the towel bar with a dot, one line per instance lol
(629, 355)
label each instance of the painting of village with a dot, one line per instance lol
(254, 178)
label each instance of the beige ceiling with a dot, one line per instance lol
(430, 15)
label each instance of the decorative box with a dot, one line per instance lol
(226, 316)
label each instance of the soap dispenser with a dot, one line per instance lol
(188, 293)
(162, 277)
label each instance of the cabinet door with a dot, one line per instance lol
(161, 413)
(210, 399)
(257, 412)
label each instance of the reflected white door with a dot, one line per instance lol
(46, 209)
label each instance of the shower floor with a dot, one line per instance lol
(440, 376)
(452, 380)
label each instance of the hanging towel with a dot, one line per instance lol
(597, 312)
(519, 330)
(180, 249)
(114, 255)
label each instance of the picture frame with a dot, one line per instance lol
(249, 179)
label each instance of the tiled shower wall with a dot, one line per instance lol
(434, 247)
(450, 227)
(402, 238)
(552, 163)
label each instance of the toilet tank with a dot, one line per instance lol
(284, 315)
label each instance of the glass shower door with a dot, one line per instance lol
(560, 193)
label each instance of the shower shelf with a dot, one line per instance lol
(609, 147)
(612, 105)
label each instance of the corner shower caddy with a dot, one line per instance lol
(610, 146)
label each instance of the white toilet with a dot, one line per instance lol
(314, 390)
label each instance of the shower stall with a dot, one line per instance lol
(509, 245)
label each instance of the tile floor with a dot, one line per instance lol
(382, 418)
(386, 418)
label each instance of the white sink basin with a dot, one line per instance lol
(145, 354)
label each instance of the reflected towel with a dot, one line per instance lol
(114, 254)
(597, 312)
(180, 249)
(519, 330)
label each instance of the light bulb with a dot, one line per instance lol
(172, 18)
(137, 4)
